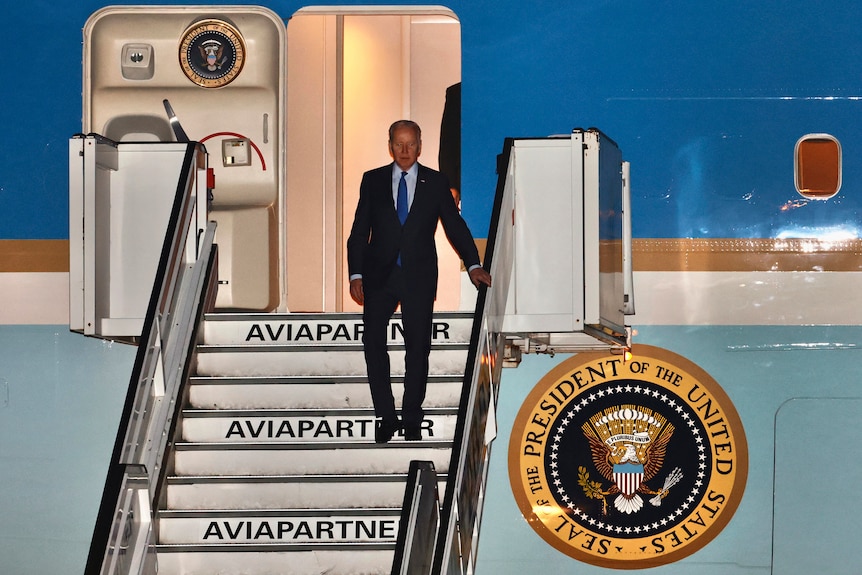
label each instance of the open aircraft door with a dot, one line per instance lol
(222, 70)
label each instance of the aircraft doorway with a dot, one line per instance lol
(351, 73)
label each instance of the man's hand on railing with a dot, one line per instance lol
(480, 276)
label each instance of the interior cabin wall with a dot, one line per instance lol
(352, 76)
(313, 145)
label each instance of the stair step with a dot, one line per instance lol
(280, 526)
(288, 491)
(216, 425)
(280, 458)
(340, 328)
(317, 359)
(274, 392)
(348, 558)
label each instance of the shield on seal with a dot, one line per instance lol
(628, 477)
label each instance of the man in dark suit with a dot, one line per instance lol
(392, 259)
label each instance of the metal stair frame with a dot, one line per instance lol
(124, 534)
(182, 292)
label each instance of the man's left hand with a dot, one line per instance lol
(480, 276)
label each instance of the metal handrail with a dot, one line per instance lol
(420, 518)
(458, 534)
(182, 292)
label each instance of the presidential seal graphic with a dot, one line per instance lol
(211, 53)
(628, 464)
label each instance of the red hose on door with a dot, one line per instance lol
(235, 135)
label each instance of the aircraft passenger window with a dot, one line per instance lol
(817, 162)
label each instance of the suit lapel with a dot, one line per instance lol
(420, 196)
(386, 189)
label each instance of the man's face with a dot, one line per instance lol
(405, 147)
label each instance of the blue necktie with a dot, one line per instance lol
(401, 204)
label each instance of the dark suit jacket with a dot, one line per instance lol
(449, 156)
(377, 236)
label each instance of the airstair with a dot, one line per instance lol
(275, 468)
(246, 443)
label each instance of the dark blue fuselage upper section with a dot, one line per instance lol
(706, 100)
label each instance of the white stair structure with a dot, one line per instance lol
(275, 468)
(246, 442)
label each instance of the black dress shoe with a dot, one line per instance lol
(413, 432)
(384, 430)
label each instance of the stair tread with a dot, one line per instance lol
(343, 546)
(245, 316)
(302, 411)
(313, 379)
(292, 512)
(315, 347)
(323, 477)
(288, 478)
(299, 445)
(266, 559)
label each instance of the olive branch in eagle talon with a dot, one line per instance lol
(593, 489)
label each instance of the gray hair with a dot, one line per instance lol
(405, 124)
